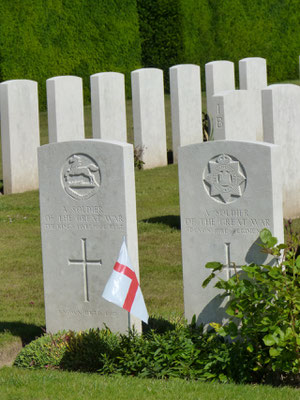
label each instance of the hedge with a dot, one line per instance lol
(255, 28)
(200, 31)
(161, 36)
(40, 39)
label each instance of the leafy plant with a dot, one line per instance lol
(264, 305)
(137, 154)
(44, 352)
(205, 127)
(176, 350)
(90, 351)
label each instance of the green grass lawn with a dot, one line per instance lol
(18, 384)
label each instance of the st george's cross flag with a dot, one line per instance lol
(123, 288)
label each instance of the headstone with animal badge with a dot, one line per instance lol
(87, 202)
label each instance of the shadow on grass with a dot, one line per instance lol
(173, 221)
(27, 332)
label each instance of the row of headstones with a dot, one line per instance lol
(20, 119)
(229, 191)
(254, 112)
(257, 112)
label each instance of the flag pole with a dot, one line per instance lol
(129, 326)
(128, 313)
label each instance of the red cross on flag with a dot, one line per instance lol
(123, 288)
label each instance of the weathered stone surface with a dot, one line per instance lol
(87, 201)
(229, 192)
(149, 123)
(186, 106)
(281, 121)
(20, 135)
(234, 115)
(108, 106)
(219, 77)
(65, 108)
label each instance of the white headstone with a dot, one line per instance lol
(281, 121)
(20, 135)
(87, 201)
(234, 114)
(219, 77)
(108, 106)
(65, 109)
(148, 106)
(229, 192)
(253, 73)
(186, 106)
(253, 76)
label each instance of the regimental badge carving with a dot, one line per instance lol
(224, 179)
(81, 177)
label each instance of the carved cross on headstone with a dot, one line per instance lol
(230, 268)
(85, 263)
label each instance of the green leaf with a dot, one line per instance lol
(266, 321)
(222, 331)
(250, 348)
(274, 352)
(215, 325)
(232, 329)
(282, 246)
(215, 266)
(265, 235)
(298, 261)
(223, 378)
(271, 242)
(208, 279)
(221, 284)
(269, 340)
(275, 273)
(230, 310)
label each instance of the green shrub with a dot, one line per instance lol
(264, 309)
(91, 351)
(180, 350)
(44, 352)
(42, 39)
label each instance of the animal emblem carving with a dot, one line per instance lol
(81, 176)
(77, 169)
